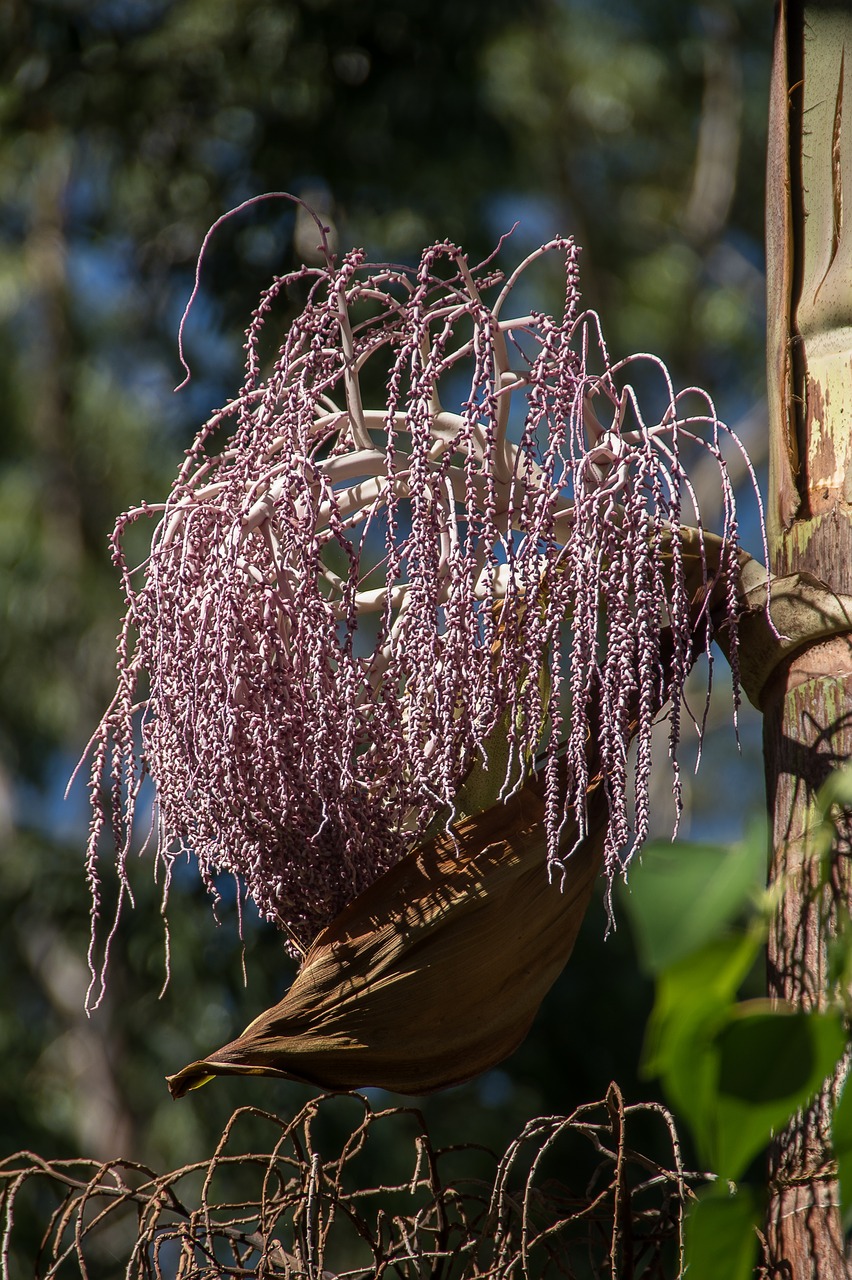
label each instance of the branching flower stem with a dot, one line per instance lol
(352, 586)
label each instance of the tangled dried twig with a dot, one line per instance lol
(457, 1212)
(343, 603)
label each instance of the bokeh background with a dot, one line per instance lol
(126, 128)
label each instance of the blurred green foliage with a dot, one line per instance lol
(126, 128)
(735, 1070)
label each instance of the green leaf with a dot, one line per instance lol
(835, 793)
(841, 1137)
(720, 1237)
(837, 789)
(693, 1002)
(770, 1061)
(683, 895)
(696, 991)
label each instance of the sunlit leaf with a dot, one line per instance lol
(720, 1235)
(683, 895)
(694, 1000)
(770, 1062)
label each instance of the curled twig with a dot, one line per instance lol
(291, 1212)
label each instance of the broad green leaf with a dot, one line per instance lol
(841, 1137)
(693, 1002)
(821, 834)
(837, 789)
(720, 1239)
(770, 1061)
(683, 895)
(698, 990)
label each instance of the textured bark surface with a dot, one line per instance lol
(807, 733)
(808, 705)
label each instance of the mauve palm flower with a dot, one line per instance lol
(408, 548)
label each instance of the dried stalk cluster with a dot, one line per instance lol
(268, 1204)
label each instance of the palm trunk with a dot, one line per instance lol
(808, 706)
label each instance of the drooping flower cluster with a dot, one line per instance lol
(429, 521)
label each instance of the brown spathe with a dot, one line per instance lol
(436, 971)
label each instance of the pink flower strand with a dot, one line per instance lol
(371, 560)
